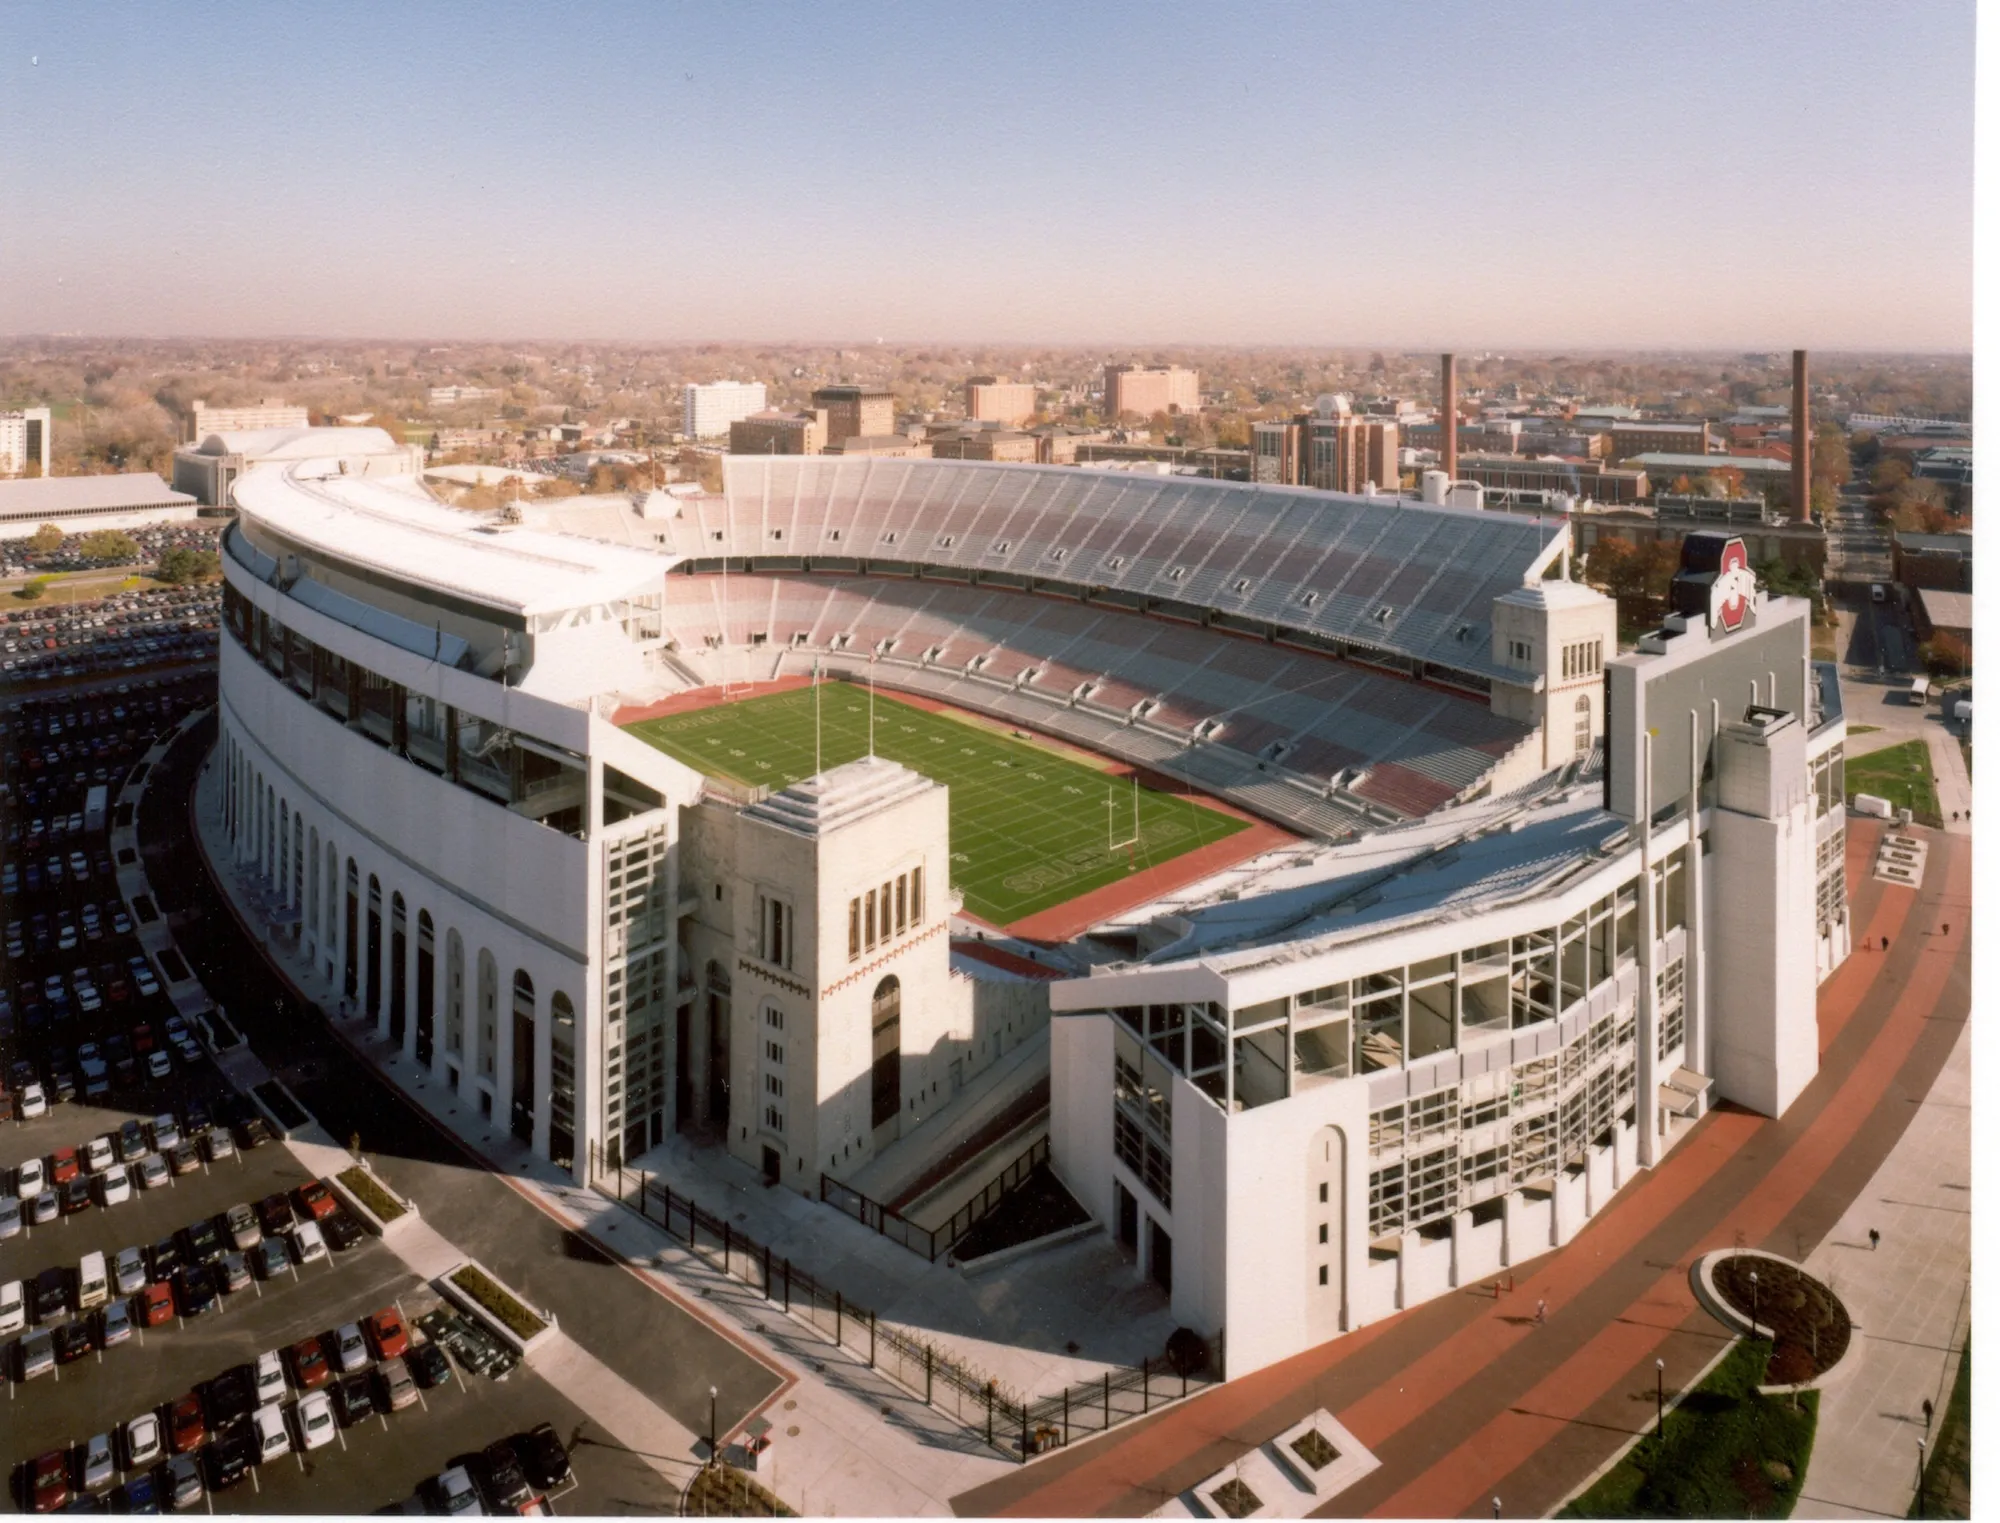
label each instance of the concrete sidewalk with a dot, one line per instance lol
(1910, 1300)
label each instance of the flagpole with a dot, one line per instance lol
(871, 703)
(817, 767)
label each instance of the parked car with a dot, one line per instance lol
(143, 1443)
(230, 1456)
(313, 1418)
(399, 1388)
(342, 1231)
(73, 1341)
(543, 1458)
(430, 1365)
(271, 1258)
(240, 1223)
(152, 1171)
(187, 1427)
(274, 1214)
(501, 1478)
(128, 1271)
(386, 1333)
(34, 1354)
(183, 1483)
(47, 1481)
(310, 1369)
(96, 1470)
(315, 1200)
(453, 1493)
(194, 1289)
(114, 1324)
(155, 1304)
(347, 1348)
(353, 1399)
(272, 1437)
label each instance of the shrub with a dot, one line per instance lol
(497, 1299)
(365, 1188)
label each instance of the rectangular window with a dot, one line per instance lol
(869, 919)
(853, 929)
(902, 903)
(917, 896)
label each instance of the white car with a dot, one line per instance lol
(142, 1441)
(268, 1423)
(314, 1416)
(33, 1102)
(13, 1308)
(307, 1244)
(97, 1155)
(152, 1171)
(114, 1186)
(158, 1064)
(270, 1377)
(30, 1180)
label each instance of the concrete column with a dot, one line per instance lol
(503, 1050)
(1461, 1224)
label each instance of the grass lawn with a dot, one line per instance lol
(1727, 1453)
(1901, 774)
(1029, 828)
(1947, 1489)
(1863, 729)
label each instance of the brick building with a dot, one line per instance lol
(774, 432)
(856, 411)
(1145, 391)
(988, 399)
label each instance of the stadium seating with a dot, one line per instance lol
(1409, 581)
(1314, 740)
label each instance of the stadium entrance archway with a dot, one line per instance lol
(886, 1083)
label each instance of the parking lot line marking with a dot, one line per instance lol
(337, 1433)
(256, 1485)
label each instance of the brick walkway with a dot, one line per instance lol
(1464, 1398)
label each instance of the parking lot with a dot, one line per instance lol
(380, 1459)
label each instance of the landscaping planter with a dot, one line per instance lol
(480, 1293)
(1810, 1329)
(378, 1208)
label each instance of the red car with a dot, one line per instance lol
(316, 1200)
(63, 1166)
(155, 1304)
(187, 1429)
(386, 1332)
(309, 1367)
(142, 1038)
(48, 1481)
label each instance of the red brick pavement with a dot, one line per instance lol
(1466, 1398)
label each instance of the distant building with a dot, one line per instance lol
(988, 399)
(451, 396)
(1583, 478)
(1057, 443)
(83, 504)
(1138, 389)
(1943, 613)
(1332, 448)
(1940, 561)
(1640, 437)
(856, 411)
(892, 446)
(1006, 444)
(774, 432)
(708, 410)
(24, 441)
(1664, 466)
(272, 412)
(1767, 534)
(208, 470)
(448, 441)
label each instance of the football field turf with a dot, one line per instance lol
(1029, 829)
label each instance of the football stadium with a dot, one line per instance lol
(1360, 899)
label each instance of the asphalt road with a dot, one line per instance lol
(670, 1355)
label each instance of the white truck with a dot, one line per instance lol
(96, 808)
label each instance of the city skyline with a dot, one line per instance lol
(1358, 177)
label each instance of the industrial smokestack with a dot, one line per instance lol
(1801, 440)
(1448, 419)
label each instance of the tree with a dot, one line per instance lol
(48, 539)
(1830, 460)
(31, 592)
(109, 545)
(180, 563)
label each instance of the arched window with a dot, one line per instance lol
(886, 1021)
(522, 1085)
(1583, 725)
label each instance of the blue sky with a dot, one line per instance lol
(1528, 174)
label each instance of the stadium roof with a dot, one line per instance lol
(1473, 858)
(391, 526)
(299, 443)
(53, 496)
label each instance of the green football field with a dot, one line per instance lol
(1029, 829)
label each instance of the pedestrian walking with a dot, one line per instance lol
(1874, 1240)
(1541, 1313)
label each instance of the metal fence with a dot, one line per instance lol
(1017, 1427)
(932, 1241)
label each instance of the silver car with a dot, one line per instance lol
(128, 1269)
(10, 1216)
(95, 1468)
(350, 1353)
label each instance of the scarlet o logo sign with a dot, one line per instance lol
(1735, 584)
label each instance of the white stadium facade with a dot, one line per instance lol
(1548, 902)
